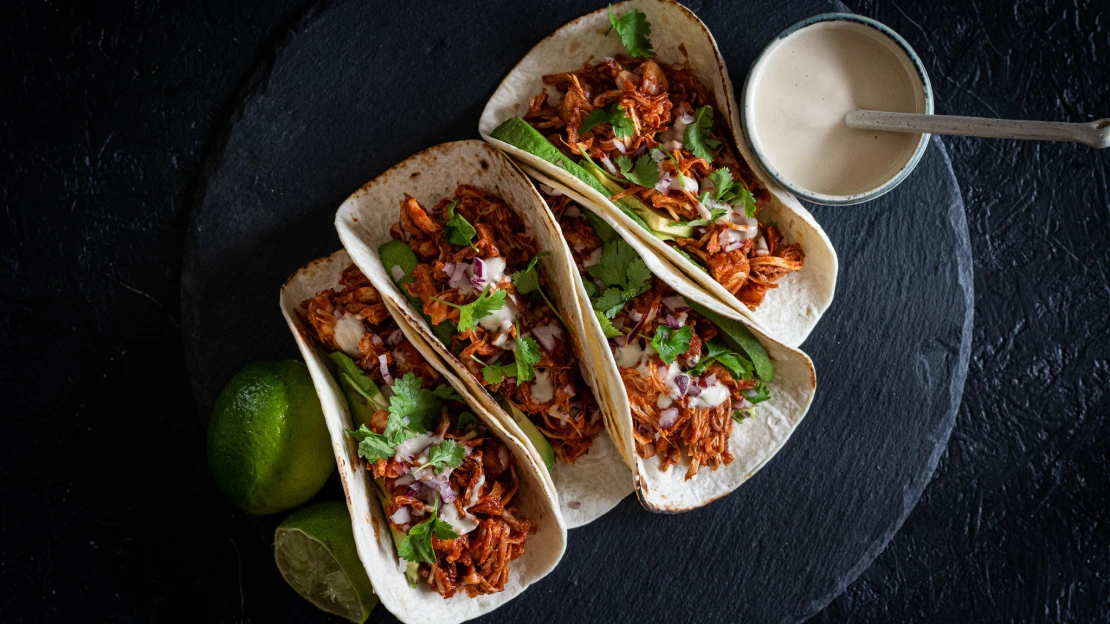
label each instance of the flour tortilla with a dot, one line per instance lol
(594, 484)
(536, 498)
(788, 312)
(753, 443)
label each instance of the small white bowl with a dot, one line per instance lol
(892, 44)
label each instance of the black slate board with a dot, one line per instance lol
(354, 88)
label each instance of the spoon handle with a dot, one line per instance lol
(1095, 133)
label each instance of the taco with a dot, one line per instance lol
(706, 400)
(458, 240)
(452, 515)
(632, 107)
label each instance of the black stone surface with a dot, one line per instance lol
(108, 513)
(316, 123)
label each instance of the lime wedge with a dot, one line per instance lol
(315, 551)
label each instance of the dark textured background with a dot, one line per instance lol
(107, 115)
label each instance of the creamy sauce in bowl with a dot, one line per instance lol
(800, 90)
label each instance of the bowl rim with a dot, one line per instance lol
(748, 107)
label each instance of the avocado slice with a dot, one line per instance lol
(362, 393)
(740, 338)
(412, 569)
(397, 253)
(519, 133)
(534, 436)
(661, 225)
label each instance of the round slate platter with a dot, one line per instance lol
(357, 87)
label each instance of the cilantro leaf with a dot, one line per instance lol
(466, 421)
(596, 116)
(447, 393)
(617, 118)
(749, 201)
(470, 313)
(761, 394)
(670, 343)
(697, 137)
(527, 354)
(591, 288)
(607, 325)
(723, 184)
(446, 454)
(736, 364)
(528, 279)
(620, 122)
(645, 173)
(421, 406)
(372, 446)
(634, 30)
(610, 302)
(459, 230)
(417, 545)
(495, 373)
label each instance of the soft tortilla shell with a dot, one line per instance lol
(594, 484)
(536, 498)
(788, 312)
(753, 443)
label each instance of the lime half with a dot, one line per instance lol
(315, 552)
(268, 444)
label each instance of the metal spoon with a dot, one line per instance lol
(1095, 133)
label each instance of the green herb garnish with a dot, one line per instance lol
(634, 30)
(670, 343)
(697, 137)
(644, 173)
(617, 118)
(470, 313)
(459, 230)
(417, 545)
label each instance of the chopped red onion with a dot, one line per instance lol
(668, 417)
(384, 367)
(459, 277)
(448, 268)
(477, 278)
(547, 335)
(440, 483)
(609, 165)
(694, 389)
(401, 516)
(702, 210)
(635, 315)
(621, 147)
(734, 246)
(682, 382)
(687, 118)
(658, 156)
(710, 380)
(571, 211)
(404, 480)
(675, 303)
(692, 361)
(375, 340)
(395, 338)
(569, 390)
(672, 322)
(664, 183)
(503, 456)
